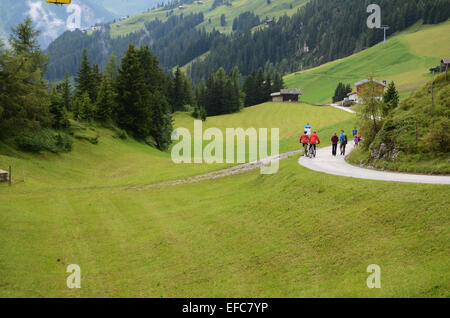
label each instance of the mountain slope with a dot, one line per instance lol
(297, 233)
(212, 15)
(51, 20)
(415, 136)
(404, 59)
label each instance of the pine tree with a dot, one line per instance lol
(105, 100)
(161, 128)
(133, 104)
(178, 91)
(267, 87)
(251, 91)
(83, 108)
(235, 99)
(260, 92)
(24, 96)
(111, 70)
(390, 99)
(84, 79)
(278, 83)
(66, 91)
(58, 110)
(223, 20)
(97, 78)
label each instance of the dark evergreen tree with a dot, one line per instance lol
(66, 91)
(85, 78)
(391, 99)
(58, 110)
(24, 98)
(251, 91)
(223, 20)
(259, 82)
(161, 128)
(97, 78)
(267, 87)
(278, 83)
(105, 100)
(133, 101)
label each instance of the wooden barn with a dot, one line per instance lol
(361, 86)
(4, 176)
(286, 95)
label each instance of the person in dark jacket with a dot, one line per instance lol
(334, 143)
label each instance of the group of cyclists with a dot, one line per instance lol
(313, 140)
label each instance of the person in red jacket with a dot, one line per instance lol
(304, 140)
(314, 141)
(334, 142)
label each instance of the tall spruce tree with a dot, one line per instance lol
(133, 105)
(278, 83)
(105, 100)
(85, 78)
(178, 91)
(251, 91)
(66, 91)
(24, 96)
(58, 110)
(390, 99)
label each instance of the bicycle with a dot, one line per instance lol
(312, 151)
(305, 150)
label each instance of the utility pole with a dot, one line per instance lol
(9, 178)
(385, 28)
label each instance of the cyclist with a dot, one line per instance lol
(304, 140)
(313, 142)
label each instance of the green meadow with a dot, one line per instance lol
(405, 59)
(296, 233)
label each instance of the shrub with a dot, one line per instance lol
(45, 139)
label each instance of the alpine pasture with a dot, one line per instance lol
(404, 59)
(296, 233)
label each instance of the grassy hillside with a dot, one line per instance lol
(405, 59)
(259, 7)
(429, 151)
(115, 162)
(296, 233)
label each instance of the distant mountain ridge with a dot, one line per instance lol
(318, 31)
(52, 20)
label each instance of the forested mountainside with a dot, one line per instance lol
(50, 19)
(321, 31)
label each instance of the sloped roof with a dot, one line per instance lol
(366, 81)
(291, 91)
(445, 61)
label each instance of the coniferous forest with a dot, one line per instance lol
(321, 31)
(36, 116)
(128, 82)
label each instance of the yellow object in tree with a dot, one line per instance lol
(60, 1)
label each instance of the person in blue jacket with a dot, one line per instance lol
(343, 139)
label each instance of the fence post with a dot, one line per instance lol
(417, 133)
(9, 178)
